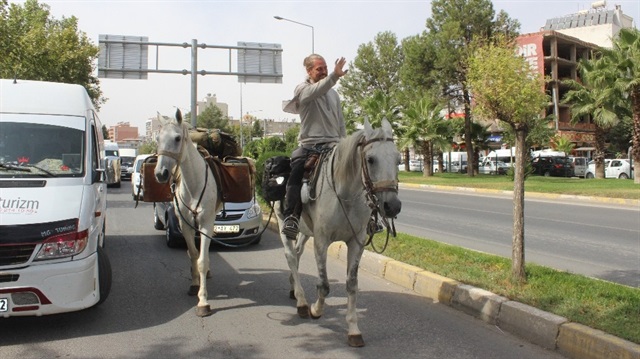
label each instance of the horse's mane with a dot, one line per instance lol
(347, 161)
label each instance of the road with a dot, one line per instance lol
(588, 238)
(149, 315)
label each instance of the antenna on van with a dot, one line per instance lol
(15, 79)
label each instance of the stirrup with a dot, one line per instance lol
(290, 228)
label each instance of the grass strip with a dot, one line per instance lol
(610, 307)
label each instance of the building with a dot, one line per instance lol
(211, 100)
(123, 132)
(555, 52)
(597, 25)
(152, 128)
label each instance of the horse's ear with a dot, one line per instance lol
(367, 125)
(179, 116)
(386, 126)
(161, 119)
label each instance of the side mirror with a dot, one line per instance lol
(98, 175)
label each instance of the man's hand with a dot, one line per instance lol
(339, 65)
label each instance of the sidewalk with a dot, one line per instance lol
(550, 331)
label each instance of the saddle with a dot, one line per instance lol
(311, 172)
(234, 176)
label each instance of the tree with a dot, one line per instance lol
(375, 69)
(212, 117)
(148, 147)
(505, 88)
(625, 56)
(438, 59)
(105, 132)
(563, 144)
(425, 129)
(35, 46)
(595, 97)
(256, 129)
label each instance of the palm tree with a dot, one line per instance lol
(563, 144)
(595, 97)
(625, 55)
(424, 128)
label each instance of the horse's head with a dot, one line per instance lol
(171, 142)
(380, 159)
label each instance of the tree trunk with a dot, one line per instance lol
(427, 162)
(599, 152)
(467, 132)
(518, 274)
(406, 159)
(635, 136)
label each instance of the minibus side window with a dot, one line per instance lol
(96, 175)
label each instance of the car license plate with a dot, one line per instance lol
(4, 305)
(227, 228)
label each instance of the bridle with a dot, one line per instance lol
(379, 186)
(371, 189)
(177, 156)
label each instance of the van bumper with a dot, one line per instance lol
(51, 288)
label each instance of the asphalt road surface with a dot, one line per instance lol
(149, 315)
(591, 238)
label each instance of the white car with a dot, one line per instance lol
(414, 166)
(613, 168)
(135, 177)
(491, 168)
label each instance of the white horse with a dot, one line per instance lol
(196, 199)
(358, 178)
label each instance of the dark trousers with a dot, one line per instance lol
(293, 203)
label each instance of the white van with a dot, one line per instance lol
(112, 164)
(53, 200)
(136, 179)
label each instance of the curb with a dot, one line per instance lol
(550, 331)
(555, 196)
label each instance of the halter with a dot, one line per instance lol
(177, 156)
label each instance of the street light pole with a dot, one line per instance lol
(299, 23)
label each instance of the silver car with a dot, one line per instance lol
(236, 225)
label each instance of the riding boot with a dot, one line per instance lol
(292, 200)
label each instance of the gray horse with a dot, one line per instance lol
(360, 176)
(196, 196)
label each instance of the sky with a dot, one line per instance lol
(339, 28)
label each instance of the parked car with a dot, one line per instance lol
(135, 177)
(492, 168)
(414, 166)
(580, 165)
(457, 167)
(613, 168)
(552, 166)
(237, 224)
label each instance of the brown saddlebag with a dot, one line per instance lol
(152, 190)
(235, 178)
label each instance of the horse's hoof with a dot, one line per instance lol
(193, 290)
(356, 341)
(303, 312)
(204, 311)
(292, 294)
(314, 316)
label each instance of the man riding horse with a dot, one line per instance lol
(322, 125)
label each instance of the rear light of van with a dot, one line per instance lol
(63, 245)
